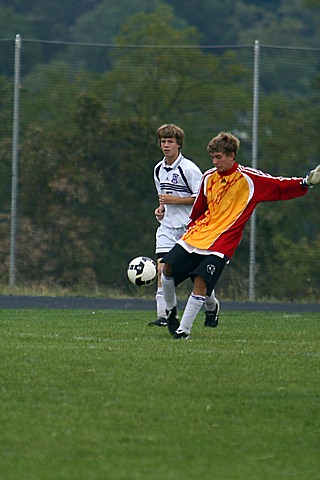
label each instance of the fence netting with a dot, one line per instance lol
(88, 116)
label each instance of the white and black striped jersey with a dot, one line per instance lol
(181, 179)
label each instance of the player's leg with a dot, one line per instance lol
(176, 269)
(170, 298)
(204, 276)
(212, 309)
(166, 238)
(163, 245)
(178, 264)
(161, 306)
(161, 320)
(192, 308)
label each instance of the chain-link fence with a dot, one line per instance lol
(78, 146)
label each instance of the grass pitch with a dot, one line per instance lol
(99, 395)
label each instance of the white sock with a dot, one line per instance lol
(160, 304)
(191, 310)
(211, 302)
(169, 293)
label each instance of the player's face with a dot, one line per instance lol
(170, 149)
(222, 161)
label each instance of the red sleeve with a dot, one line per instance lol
(270, 189)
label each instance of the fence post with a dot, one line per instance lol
(14, 172)
(254, 163)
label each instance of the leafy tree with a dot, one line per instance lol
(166, 84)
(78, 194)
(289, 24)
(52, 19)
(12, 23)
(82, 208)
(6, 119)
(278, 21)
(303, 276)
(99, 21)
(44, 90)
(88, 148)
(102, 24)
(311, 3)
(212, 19)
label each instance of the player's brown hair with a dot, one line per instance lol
(169, 130)
(224, 142)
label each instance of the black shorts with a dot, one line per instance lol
(188, 265)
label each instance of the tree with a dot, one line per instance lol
(102, 24)
(288, 25)
(52, 19)
(230, 23)
(12, 23)
(45, 89)
(6, 119)
(80, 207)
(311, 3)
(79, 210)
(173, 84)
(88, 147)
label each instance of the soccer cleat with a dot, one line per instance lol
(181, 336)
(160, 322)
(172, 320)
(212, 318)
(313, 178)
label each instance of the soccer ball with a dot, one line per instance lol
(142, 271)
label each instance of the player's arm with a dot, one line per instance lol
(166, 199)
(313, 177)
(271, 189)
(160, 210)
(282, 188)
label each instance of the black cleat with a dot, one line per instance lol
(172, 320)
(181, 336)
(160, 322)
(212, 318)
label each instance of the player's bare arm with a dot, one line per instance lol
(165, 199)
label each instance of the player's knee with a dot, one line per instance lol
(167, 269)
(199, 286)
(160, 265)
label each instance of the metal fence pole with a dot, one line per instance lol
(254, 163)
(14, 174)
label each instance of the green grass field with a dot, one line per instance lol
(99, 395)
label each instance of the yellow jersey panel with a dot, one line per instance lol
(227, 197)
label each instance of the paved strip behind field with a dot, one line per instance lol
(22, 301)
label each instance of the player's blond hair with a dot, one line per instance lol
(169, 130)
(224, 142)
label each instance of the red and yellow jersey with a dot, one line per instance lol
(226, 201)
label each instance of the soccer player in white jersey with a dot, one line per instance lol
(228, 194)
(177, 181)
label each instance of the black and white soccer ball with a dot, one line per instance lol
(142, 271)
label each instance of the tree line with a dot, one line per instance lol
(98, 21)
(88, 146)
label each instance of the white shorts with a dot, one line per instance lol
(166, 238)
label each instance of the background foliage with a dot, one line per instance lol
(98, 21)
(88, 117)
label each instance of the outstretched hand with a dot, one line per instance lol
(313, 177)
